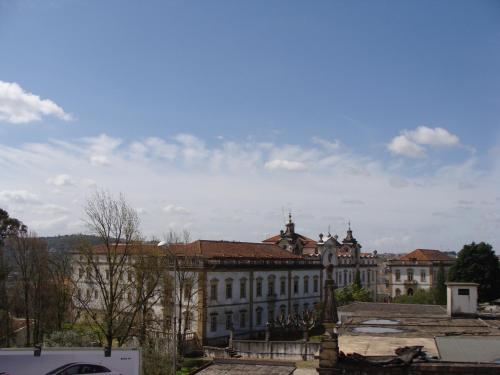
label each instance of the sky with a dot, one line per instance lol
(220, 117)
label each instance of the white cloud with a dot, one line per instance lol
(410, 142)
(18, 196)
(18, 106)
(286, 165)
(401, 145)
(433, 137)
(61, 180)
(230, 194)
(173, 209)
(329, 145)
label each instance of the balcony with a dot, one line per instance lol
(410, 282)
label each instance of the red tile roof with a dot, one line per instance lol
(426, 255)
(217, 249)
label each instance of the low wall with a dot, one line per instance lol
(278, 350)
(436, 368)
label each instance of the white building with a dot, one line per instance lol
(238, 285)
(340, 260)
(416, 270)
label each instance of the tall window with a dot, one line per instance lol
(243, 319)
(398, 292)
(270, 286)
(229, 288)
(229, 320)
(188, 287)
(363, 276)
(213, 323)
(213, 290)
(315, 284)
(306, 284)
(96, 294)
(296, 285)
(398, 276)
(270, 314)
(422, 275)
(258, 316)
(283, 286)
(283, 309)
(409, 273)
(258, 289)
(243, 288)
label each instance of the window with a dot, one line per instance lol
(330, 256)
(463, 292)
(363, 276)
(283, 286)
(188, 288)
(270, 315)
(229, 288)
(243, 288)
(315, 284)
(345, 277)
(270, 286)
(409, 273)
(107, 274)
(243, 319)
(306, 284)
(283, 310)
(229, 320)
(258, 316)
(88, 294)
(96, 294)
(296, 285)
(398, 292)
(89, 273)
(296, 308)
(80, 273)
(129, 275)
(213, 323)
(129, 297)
(422, 275)
(258, 289)
(398, 276)
(213, 290)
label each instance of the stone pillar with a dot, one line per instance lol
(329, 353)
(231, 335)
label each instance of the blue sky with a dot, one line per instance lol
(187, 90)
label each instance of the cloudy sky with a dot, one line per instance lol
(220, 117)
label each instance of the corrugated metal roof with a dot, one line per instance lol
(469, 348)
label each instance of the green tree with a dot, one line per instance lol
(421, 296)
(440, 288)
(351, 293)
(357, 280)
(9, 227)
(478, 263)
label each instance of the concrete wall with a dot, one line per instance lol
(278, 350)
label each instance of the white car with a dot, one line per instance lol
(79, 368)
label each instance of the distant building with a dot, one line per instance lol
(340, 260)
(416, 270)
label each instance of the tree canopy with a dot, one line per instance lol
(478, 263)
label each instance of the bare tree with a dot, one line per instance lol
(31, 261)
(186, 275)
(60, 276)
(114, 275)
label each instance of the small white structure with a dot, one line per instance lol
(461, 298)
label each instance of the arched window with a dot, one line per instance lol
(306, 284)
(398, 292)
(258, 287)
(315, 284)
(410, 291)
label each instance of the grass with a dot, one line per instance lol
(190, 364)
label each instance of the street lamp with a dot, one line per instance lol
(174, 318)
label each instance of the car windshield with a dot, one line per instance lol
(58, 369)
